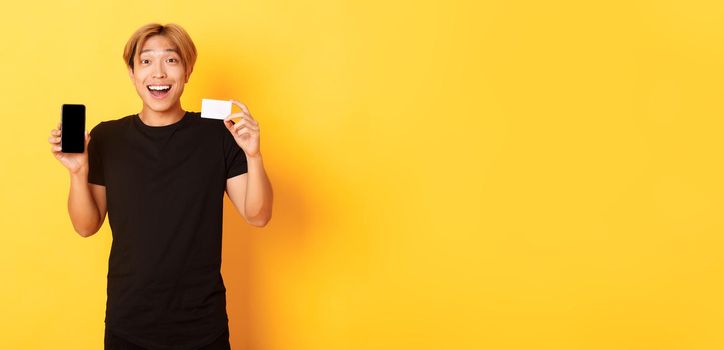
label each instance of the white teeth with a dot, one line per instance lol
(159, 87)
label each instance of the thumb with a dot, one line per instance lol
(87, 139)
(229, 125)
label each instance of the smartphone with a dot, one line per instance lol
(72, 126)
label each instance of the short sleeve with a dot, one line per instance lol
(234, 156)
(95, 159)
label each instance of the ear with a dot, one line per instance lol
(130, 73)
(188, 75)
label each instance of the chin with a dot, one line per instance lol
(159, 106)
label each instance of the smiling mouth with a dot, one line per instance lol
(159, 91)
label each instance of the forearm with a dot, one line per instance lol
(81, 206)
(259, 195)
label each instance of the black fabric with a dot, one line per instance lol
(113, 342)
(164, 189)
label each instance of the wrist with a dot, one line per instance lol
(254, 156)
(80, 172)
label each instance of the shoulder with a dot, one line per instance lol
(113, 123)
(196, 116)
(207, 124)
(214, 129)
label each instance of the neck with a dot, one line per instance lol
(162, 118)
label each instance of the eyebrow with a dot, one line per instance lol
(174, 50)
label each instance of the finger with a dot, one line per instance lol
(235, 115)
(241, 105)
(242, 122)
(55, 132)
(54, 140)
(244, 127)
(243, 131)
(248, 121)
(251, 119)
(56, 148)
(245, 123)
(229, 124)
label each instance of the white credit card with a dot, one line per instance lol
(215, 109)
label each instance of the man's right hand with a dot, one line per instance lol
(75, 162)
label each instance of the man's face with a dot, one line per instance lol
(159, 74)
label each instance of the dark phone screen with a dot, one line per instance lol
(72, 139)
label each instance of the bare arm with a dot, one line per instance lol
(86, 204)
(252, 193)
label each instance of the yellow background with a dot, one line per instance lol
(447, 175)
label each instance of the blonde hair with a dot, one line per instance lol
(174, 32)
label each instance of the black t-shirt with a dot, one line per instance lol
(165, 189)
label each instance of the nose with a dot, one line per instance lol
(159, 71)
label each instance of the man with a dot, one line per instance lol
(160, 175)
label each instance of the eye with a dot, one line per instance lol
(144, 60)
(172, 60)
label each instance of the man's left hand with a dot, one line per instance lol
(245, 131)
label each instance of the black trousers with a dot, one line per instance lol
(113, 342)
